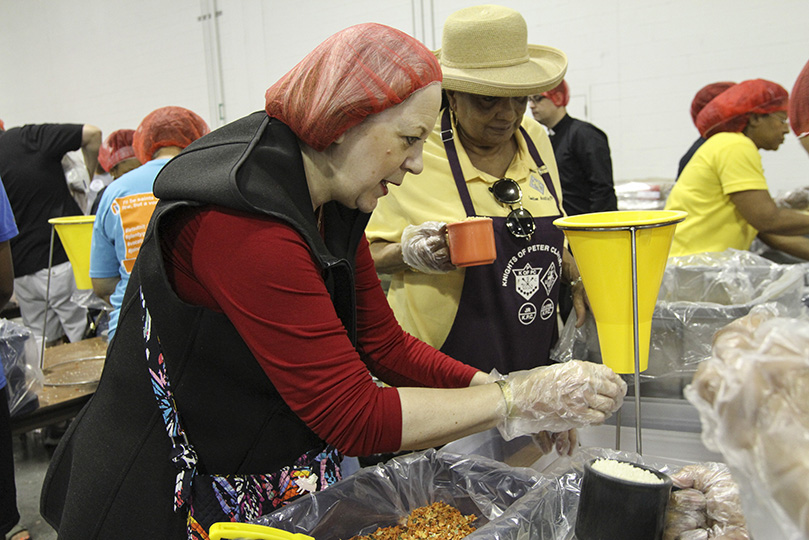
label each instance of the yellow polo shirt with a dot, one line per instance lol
(726, 163)
(425, 304)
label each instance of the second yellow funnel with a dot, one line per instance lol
(602, 246)
(76, 232)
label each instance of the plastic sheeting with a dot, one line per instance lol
(511, 503)
(20, 358)
(753, 400)
(699, 295)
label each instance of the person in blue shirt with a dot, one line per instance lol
(127, 204)
(9, 515)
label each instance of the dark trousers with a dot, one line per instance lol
(9, 516)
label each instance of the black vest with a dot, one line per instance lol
(111, 474)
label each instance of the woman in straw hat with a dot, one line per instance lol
(723, 187)
(253, 319)
(484, 158)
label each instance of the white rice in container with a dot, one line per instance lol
(625, 471)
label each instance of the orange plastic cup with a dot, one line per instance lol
(471, 242)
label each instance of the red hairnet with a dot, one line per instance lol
(116, 148)
(730, 110)
(705, 95)
(359, 71)
(799, 104)
(167, 126)
(559, 95)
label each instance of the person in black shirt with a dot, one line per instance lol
(32, 172)
(583, 157)
(582, 154)
(702, 98)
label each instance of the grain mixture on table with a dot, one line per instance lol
(438, 520)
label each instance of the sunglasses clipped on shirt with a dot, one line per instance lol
(519, 222)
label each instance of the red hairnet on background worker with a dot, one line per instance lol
(560, 96)
(723, 187)
(167, 126)
(116, 155)
(732, 109)
(799, 107)
(704, 96)
(253, 319)
(124, 210)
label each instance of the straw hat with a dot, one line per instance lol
(484, 50)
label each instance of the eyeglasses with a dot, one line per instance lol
(519, 222)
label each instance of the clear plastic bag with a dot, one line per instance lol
(379, 496)
(77, 177)
(753, 400)
(699, 295)
(20, 359)
(512, 503)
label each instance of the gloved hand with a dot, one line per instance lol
(424, 247)
(708, 506)
(797, 199)
(559, 397)
(565, 442)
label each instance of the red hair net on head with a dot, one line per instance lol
(359, 71)
(559, 95)
(116, 148)
(799, 104)
(730, 110)
(705, 95)
(167, 126)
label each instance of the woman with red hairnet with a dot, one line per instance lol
(241, 367)
(799, 107)
(115, 157)
(701, 99)
(127, 204)
(723, 187)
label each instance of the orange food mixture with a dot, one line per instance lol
(438, 520)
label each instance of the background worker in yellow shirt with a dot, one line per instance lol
(723, 187)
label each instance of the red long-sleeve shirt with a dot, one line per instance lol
(260, 273)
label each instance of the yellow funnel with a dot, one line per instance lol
(602, 246)
(76, 232)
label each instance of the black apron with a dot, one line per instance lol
(506, 317)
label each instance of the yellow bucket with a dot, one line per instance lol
(220, 531)
(602, 246)
(76, 232)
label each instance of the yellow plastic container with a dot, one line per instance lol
(602, 246)
(76, 232)
(221, 531)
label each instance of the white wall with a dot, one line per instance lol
(636, 64)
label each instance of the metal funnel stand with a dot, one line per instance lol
(621, 256)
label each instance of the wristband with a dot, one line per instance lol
(507, 396)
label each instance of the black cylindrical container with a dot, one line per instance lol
(614, 509)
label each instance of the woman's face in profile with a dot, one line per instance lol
(486, 120)
(382, 149)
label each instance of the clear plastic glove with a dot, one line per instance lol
(797, 199)
(558, 398)
(425, 249)
(707, 506)
(564, 442)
